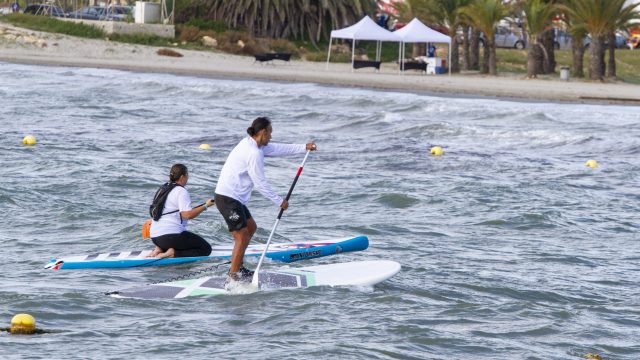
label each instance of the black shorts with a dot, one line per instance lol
(233, 212)
(185, 244)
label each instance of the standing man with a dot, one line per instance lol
(243, 170)
(15, 7)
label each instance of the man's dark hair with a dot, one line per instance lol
(257, 125)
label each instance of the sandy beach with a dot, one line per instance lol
(30, 47)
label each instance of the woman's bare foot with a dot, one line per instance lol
(167, 254)
(155, 252)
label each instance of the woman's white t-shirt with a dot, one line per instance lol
(178, 199)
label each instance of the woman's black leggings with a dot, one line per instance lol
(185, 244)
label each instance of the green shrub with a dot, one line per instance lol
(142, 39)
(211, 25)
(53, 25)
(283, 46)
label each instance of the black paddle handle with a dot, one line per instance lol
(295, 180)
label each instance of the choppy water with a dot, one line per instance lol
(511, 248)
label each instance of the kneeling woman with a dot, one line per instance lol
(169, 233)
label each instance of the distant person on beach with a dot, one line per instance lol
(243, 170)
(431, 50)
(169, 232)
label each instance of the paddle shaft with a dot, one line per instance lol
(254, 281)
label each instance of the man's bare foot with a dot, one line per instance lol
(167, 254)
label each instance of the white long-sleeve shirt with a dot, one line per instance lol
(244, 169)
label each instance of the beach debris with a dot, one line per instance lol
(240, 44)
(436, 151)
(592, 164)
(209, 41)
(41, 43)
(204, 147)
(23, 324)
(169, 52)
(29, 140)
(593, 356)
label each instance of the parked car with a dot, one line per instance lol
(114, 13)
(563, 40)
(89, 13)
(506, 38)
(44, 9)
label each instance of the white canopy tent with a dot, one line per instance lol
(415, 32)
(365, 29)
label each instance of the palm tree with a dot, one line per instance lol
(538, 16)
(624, 18)
(485, 15)
(577, 32)
(312, 19)
(599, 18)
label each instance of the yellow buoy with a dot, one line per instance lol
(204, 147)
(592, 164)
(436, 151)
(29, 140)
(23, 324)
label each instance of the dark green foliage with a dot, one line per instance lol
(303, 19)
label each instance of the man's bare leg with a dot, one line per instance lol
(241, 239)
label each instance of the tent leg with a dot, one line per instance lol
(329, 53)
(449, 64)
(353, 53)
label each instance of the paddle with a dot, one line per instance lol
(254, 281)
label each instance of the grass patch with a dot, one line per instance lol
(53, 25)
(141, 39)
(627, 63)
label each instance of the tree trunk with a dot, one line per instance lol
(486, 49)
(611, 68)
(549, 61)
(577, 51)
(531, 58)
(603, 64)
(493, 60)
(596, 71)
(465, 48)
(538, 58)
(455, 52)
(474, 51)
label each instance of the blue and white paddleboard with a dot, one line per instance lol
(357, 273)
(285, 252)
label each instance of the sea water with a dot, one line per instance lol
(511, 248)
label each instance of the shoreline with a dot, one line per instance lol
(36, 48)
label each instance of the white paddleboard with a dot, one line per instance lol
(357, 273)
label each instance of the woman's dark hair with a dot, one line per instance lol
(257, 125)
(177, 170)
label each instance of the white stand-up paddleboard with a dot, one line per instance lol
(357, 273)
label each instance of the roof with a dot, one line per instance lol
(365, 29)
(416, 31)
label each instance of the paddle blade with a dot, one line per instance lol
(146, 229)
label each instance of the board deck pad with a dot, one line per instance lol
(284, 252)
(357, 273)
